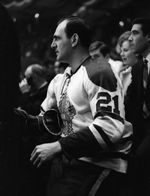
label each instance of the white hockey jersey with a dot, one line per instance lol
(91, 105)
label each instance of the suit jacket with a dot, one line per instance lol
(134, 104)
(31, 102)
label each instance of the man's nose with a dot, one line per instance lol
(130, 38)
(121, 54)
(53, 45)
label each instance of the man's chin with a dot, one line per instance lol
(57, 58)
(60, 59)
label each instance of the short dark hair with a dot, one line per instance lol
(78, 26)
(145, 24)
(103, 48)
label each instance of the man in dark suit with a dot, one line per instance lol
(36, 82)
(138, 105)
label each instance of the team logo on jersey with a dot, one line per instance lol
(67, 112)
(66, 109)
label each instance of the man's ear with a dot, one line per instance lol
(74, 39)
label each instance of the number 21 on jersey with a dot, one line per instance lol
(104, 99)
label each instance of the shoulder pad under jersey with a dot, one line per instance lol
(101, 74)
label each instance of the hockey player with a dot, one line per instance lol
(90, 157)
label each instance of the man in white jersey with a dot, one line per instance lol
(90, 158)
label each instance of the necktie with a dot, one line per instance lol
(145, 79)
(145, 74)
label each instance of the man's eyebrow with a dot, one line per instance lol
(134, 31)
(55, 36)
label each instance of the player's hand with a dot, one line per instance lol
(24, 87)
(44, 152)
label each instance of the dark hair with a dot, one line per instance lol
(38, 70)
(9, 61)
(124, 37)
(78, 26)
(103, 48)
(145, 24)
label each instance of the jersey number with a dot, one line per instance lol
(104, 98)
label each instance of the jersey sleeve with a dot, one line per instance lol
(50, 100)
(108, 124)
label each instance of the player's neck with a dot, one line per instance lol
(78, 59)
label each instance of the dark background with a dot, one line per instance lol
(108, 18)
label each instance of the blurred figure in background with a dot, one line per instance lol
(139, 105)
(34, 88)
(98, 49)
(129, 59)
(59, 67)
(127, 54)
